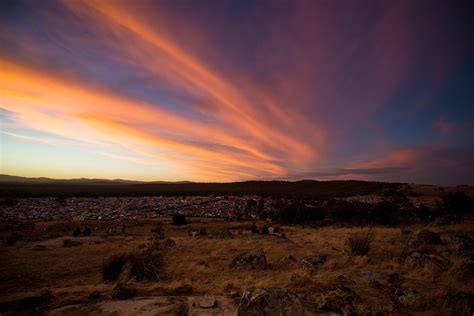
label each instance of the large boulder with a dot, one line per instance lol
(253, 259)
(270, 301)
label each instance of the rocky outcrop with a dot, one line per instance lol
(270, 301)
(254, 259)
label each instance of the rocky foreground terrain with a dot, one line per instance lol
(219, 267)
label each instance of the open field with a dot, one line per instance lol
(400, 274)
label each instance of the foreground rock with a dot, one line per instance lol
(270, 301)
(176, 306)
(254, 259)
(435, 261)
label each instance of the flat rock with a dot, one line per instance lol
(208, 301)
(270, 301)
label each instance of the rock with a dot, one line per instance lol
(291, 260)
(123, 291)
(394, 278)
(300, 280)
(184, 289)
(313, 262)
(270, 301)
(208, 301)
(420, 260)
(39, 248)
(95, 295)
(460, 299)
(427, 237)
(253, 259)
(169, 243)
(376, 284)
(71, 243)
(465, 244)
(406, 296)
(338, 299)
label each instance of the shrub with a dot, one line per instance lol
(11, 240)
(179, 219)
(147, 264)
(76, 232)
(112, 267)
(359, 243)
(457, 203)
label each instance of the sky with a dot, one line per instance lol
(221, 91)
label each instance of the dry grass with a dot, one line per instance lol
(204, 263)
(359, 243)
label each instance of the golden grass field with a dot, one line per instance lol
(73, 273)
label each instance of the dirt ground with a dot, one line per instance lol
(39, 262)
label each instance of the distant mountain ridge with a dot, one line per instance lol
(5, 178)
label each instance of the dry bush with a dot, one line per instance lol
(147, 264)
(359, 243)
(112, 267)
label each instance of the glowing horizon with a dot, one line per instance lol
(232, 91)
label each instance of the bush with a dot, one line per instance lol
(147, 264)
(457, 203)
(359, 243)
(11, 240)
(179, 219)
(76, 232)
(112, 267)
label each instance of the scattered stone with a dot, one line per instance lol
(270, 301)
(420, 260)
(123, 291)
(208, 301)
(253, 259)
(313, 262)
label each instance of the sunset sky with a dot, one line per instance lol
(215, 90)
